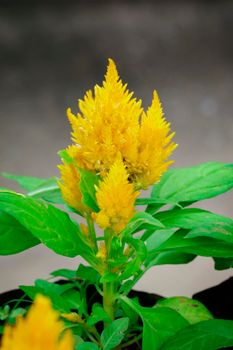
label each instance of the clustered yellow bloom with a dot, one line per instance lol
(39, 330)
(115, 197)
(112, 125)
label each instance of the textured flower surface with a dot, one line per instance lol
(39, 330)
(115, 197)
(112, 125)
(154, 147)
(69, 183)
(108, 124)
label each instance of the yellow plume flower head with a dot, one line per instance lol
(111, 123)
(39, 330)
(154, 147)
(115, 197)
(108, 124)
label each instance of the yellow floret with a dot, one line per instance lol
(115, 197)
(41, 329)
(69, 184)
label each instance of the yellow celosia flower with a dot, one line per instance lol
(69, 184)
(108, 124)
(39, 330)
(154, 147)
(112, 123)
(115, 197)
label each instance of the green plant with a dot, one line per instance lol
(118, 151)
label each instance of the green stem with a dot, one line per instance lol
(91, 230)
(109, 298)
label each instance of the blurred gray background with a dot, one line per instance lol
(51, 52)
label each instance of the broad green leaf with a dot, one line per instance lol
(130, 313)
(169, 257)
(74, 299)
(29, 183)
(87, 346)
(49, 193)
(66, 273)
(206, 335)
(191, 218)
(223, 264)
(192, 310)
(141, 220)
(159, 324)
(98, 314)
(46, 189)
(223, 232)
(203, 246)
(201, 222)
(14, 238)
(113, 334)
(88, 183)
(193, 183)
(87, 273)
(50, 225)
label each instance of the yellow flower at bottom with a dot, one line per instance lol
(39, 330)
(115, 197)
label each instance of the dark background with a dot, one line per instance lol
(51, 52)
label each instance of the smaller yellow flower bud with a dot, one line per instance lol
(102, 252)
(115, 197)
(84, 229)
(73, 317)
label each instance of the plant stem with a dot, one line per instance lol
(132, 341)
(91, 230)
(109, 298)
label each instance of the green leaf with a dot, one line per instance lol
(191, 218)
(87, 346)
(46, 189)
(223, 264)
(203, 246)
(192, 310)
(66, 273)
(169, 257)
(14, 238)
(98, 314)
(193, 183)
(221, 232)
(141, 220)
(29, 183)
(206, 335)
(88, 183)
(54, 291)
(159, 324)
(87, 273)
(202, 222)
(49, 193)
(50, 225)
(4, 312)
(114, 333)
